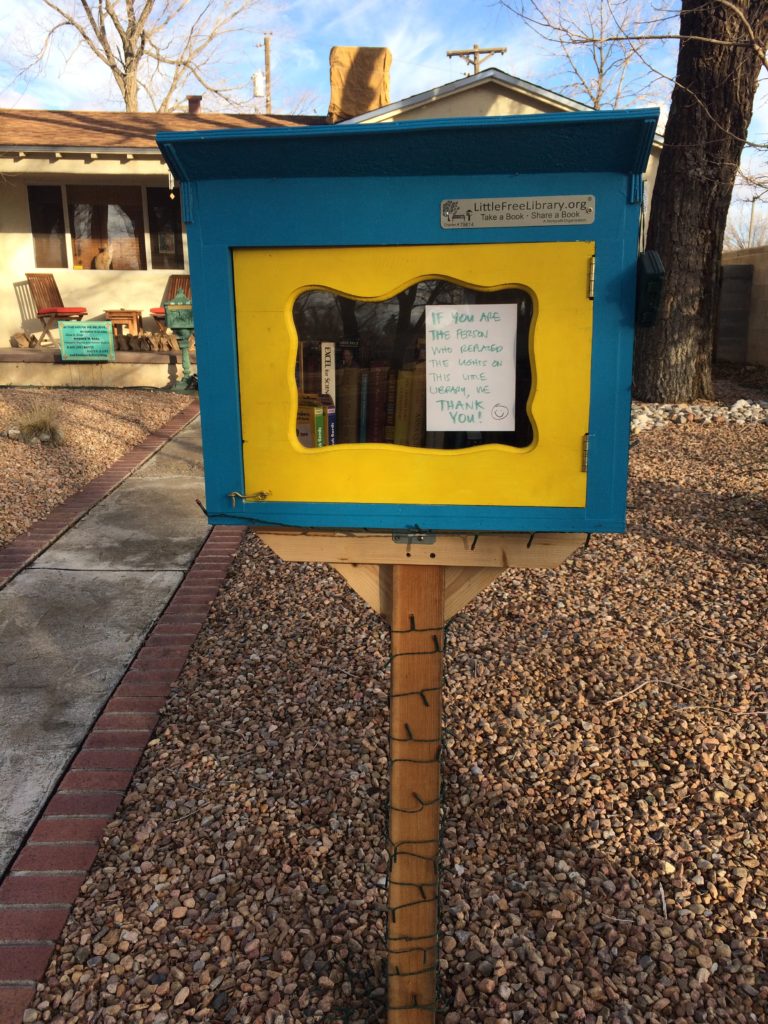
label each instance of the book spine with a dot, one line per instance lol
(347, 405)
(328, 369)
(417, 410)
(330, 424)
(402, 409)
(389, 422)
(305, 427)
(362, 435)
(378, 377)
(319, 427)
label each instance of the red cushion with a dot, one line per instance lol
(158, 311)
(63, 310)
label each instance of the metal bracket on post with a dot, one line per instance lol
(414, 538)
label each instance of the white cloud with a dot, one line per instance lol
(418, 33)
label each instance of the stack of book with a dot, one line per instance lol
(410, 405)
(357, 405)
(316, 421)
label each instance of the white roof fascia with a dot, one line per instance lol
(114, 151)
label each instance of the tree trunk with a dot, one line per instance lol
(708, 120)
(130, 88)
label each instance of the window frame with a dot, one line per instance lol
(64, 220)
(145, 234)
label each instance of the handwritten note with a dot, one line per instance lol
(471, 367)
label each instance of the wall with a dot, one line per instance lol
(480, 101)
(757, 334)
(37, 368)
(94, 289)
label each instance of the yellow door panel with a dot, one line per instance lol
(547, 473)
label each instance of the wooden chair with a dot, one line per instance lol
(49, 304)
(175, 282)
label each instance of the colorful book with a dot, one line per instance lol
(328, 369)
(362, 426)
(347, 404)
(417, 411)
(329, 419)
(403, 405)
(305, 426)
(389, 422)
(310, 421)
(378, 382)
(435, 439)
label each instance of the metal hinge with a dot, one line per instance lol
(584, 453)
(413, 538)
(591, 279)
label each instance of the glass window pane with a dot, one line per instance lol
(165, 229)
(439, 365)
(107, 227)
(46, 214)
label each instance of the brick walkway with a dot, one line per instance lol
(27, 547)
(43, 881)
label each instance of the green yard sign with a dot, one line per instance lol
(92, 342)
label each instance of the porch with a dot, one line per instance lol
(43, 367)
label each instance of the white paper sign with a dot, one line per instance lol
(471, 367)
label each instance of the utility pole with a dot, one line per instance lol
(268, 70)
(473, 56)
(262, 80)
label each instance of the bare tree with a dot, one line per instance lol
(747, 226)
(154, 49)
(722, 51)
(599, 44)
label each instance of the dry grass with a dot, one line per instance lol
(43, 422)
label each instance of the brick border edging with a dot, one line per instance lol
(28, 546)
(45, 877)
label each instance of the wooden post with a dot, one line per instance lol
(414, 814)
(417, 587)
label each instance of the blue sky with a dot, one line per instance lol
(417, 32)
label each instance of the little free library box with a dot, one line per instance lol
(414, 350)
(422, 326)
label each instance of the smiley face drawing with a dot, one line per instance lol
(500, 412)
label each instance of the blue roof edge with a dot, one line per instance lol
(176, 146)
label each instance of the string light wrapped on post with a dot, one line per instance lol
(415, 744)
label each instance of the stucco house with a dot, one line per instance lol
(86, 196)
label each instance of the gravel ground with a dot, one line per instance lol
(97, 427)
(606, 788)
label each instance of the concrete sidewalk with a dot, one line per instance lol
(73, 620)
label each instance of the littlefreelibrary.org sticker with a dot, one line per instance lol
(517, 212)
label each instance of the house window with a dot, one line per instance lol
(107, 227)
(165, 229)
(47, 219)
